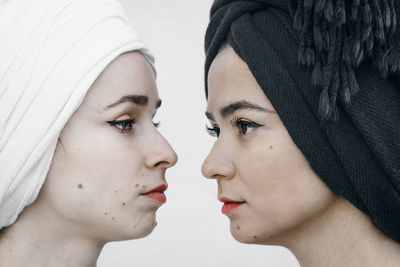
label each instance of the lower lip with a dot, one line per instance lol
(229, 206)
(157, 196)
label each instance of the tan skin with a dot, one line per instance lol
(92, 193)
(255, 161)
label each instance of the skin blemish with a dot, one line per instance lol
(255, 237)
(134, 226)
(112, 218)
(80, 186)
(238, 227)
(136, 185)
(105, 213)
(116, 191)
(123, 203)
(270, 147)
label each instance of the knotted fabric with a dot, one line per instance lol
(51, 52)
(330, 69)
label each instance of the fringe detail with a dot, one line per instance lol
(336, 38)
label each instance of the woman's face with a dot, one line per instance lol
(109, 155)
(269, 189)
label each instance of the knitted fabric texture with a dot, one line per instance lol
(349, 128)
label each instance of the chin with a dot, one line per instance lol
(133, 229)
(144, 227)
(251, 235)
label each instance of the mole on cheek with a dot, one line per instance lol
(255, 237)
(105, 213)
(123, 203)
(112, 218)
(270, 147)
(80, 186)
(238, 227)
(116, 191)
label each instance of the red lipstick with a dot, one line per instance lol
(157, 193)
(229, 204)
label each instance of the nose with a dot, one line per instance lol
(161, 154)
(218, 164)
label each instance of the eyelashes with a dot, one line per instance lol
(214, 131)
(244, 127)
(126, 126)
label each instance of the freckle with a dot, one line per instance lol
(270, 147)
(112, 218)
(116, 191)
(105, 213)
(238, 227)
(255, 237)
(136, 185)
(134, 226)
(80, 186)
(123, 203)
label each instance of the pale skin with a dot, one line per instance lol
(93, 192)
(255, 161)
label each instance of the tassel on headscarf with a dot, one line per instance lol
(336, 37)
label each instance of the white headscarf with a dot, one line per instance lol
(51, 52)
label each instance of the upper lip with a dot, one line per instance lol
(161, 188)
(228, 200)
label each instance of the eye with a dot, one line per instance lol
(124, 126)
(245, 127)
(213, 131)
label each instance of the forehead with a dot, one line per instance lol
(128, 74)
(230, 80)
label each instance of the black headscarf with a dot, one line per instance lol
(330, 69)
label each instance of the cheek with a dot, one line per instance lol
(282, 190)
(95, 178)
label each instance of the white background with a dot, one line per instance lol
(191, 229)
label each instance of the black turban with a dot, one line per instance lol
(331, 70)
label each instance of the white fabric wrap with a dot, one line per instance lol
(51, 52)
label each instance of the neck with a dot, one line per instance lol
(342, 236)
(38, 239)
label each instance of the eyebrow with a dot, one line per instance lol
(140, 100)
(235, 106)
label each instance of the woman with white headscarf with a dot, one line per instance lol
(78, 167)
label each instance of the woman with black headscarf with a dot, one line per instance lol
(304, 97)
